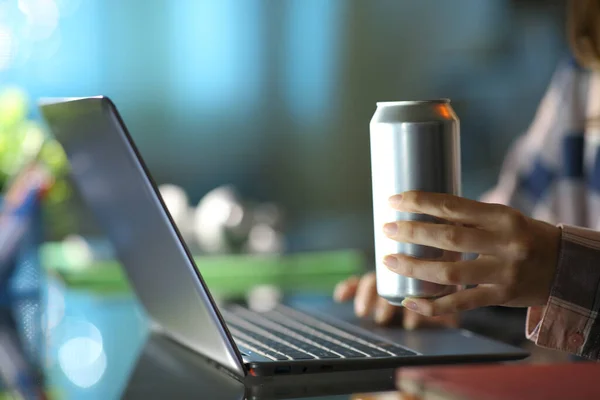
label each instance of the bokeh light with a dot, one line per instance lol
(80, 253)
(42, 18)
(7, 47)
(218, 210)
(29, 30)
(81, 354)
(83, 361)
(55, 306)
(13, 106)
(33, 139)
(177, 202)
(67, 7)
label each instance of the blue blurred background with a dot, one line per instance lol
(275, 96)
(272, 97)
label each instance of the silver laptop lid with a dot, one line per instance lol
(115, 183)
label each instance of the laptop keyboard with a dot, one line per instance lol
(287, 334)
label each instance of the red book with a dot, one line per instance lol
(577, 381)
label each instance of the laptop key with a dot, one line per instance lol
(346, 352)
(375, 348)
(298, 355)
(324, 354)
(397, 350)
(277, 356)
(272, 348)
(311, 340)
(259, 350)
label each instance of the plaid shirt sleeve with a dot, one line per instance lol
(571, 319)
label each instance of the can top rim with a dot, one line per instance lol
(412, 102)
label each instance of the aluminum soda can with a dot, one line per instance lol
(415, 145)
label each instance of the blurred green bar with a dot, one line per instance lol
(226, 276)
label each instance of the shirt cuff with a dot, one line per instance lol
(570, 321)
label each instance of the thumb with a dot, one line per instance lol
(412, 320)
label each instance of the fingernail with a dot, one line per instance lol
(411, 305)
(390, 229)
(390, 261)
(395, 200)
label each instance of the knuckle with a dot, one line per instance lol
(412, 198)
(450, 234)
(450, 275)
(407, 268)
(367, 280)
(515, 221)
(343, 286)
(366, 284)
(353, 280)
(521, 249)
(463, 305)
(510, 275)
(407, 229)
(443, 308)
(432, 311)
(370, 276)
(505, 294)
(448, 206)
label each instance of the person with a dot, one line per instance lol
(533, 232)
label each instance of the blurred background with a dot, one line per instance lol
(274, 97)
(253, 117)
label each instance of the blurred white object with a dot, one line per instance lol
(264, 298)
(80, 354)
(79, 251)
(177, 202)
(54, 311)
(264, 239)
(220, 220)
(225, 223)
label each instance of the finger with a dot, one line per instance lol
(366, 295)
(345, 290)
(467, 299)
(443, 236)
(413, 320)
(482, 270)
(452, 208)
(384, 311)
(447, 320)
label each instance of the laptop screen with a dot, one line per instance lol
(114, 182)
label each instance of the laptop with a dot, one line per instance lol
(115, 183)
